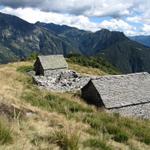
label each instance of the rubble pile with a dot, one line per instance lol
(62, 81)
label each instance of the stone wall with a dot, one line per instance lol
(91, 95)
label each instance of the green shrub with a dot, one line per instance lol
(121, 137)
(96, 143)
(5, 133)
(33, 56)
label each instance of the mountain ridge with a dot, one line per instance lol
(118, 49)
(19, 39)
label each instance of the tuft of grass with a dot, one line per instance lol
(103, 122)
(25, 69)
(140, 129)
(96, 143)
(98, 120)
(67, 141)
(142, 133)
(121, 137)
(5, 133)
(119, 134)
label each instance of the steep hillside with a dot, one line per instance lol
(128, 56)
(145, 40)
(70, 34)
(97, 62)
(18, 39)
(88, 43)
(33, 119)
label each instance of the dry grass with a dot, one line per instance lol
(37, 121)
(40, 128)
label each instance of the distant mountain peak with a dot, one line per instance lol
(143, 39)
(103, 30)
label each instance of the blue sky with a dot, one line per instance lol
(129, 16)
(99, 19)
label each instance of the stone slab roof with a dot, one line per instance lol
(123, 90)
(53, 62)
(140, 111)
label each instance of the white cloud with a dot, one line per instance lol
(146, 29)
(142, 12)
(118, 25)
(81, 22)
(135, 19)
(77, 13)
(139, 19)
(113, 8)
(34, 15)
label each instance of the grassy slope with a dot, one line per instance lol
(37, 119)
(97, 62)
(86, 70)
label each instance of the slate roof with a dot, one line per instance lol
(140, 111)
(123, 90)
(53, 62)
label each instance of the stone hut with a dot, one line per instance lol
(46, 64)
(128, 94)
